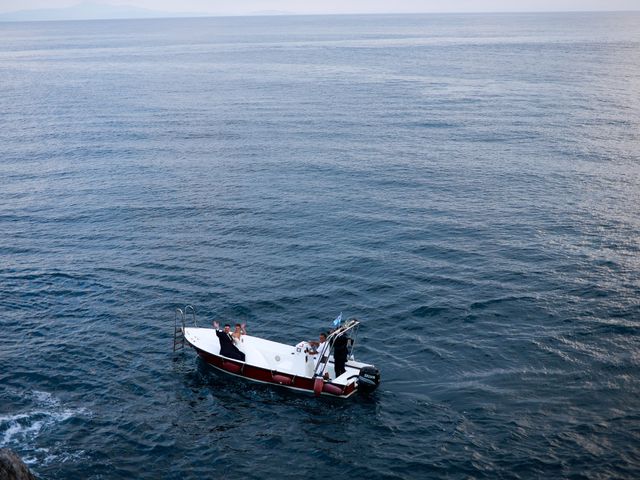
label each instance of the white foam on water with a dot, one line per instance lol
(18, 429)
(21, 430)
(63, 457)
(44, 398)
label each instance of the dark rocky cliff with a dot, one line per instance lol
(12, 467)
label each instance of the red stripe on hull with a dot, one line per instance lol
(264, 375)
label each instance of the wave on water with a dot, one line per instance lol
(20, 431)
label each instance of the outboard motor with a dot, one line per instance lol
(368, 379)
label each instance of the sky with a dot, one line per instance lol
(236, 7)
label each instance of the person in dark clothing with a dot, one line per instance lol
(227, 347)
(340, 353)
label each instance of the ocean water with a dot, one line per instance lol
(468, 186)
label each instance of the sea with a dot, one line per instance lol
(466, 185)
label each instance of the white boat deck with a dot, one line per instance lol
(270, 355)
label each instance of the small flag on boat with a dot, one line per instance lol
(338, 321)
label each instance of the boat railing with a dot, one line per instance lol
(179, 324)
(352, 345)
(351, 324)
(190, 310)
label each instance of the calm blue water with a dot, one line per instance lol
(466, 185)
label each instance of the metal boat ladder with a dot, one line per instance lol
(179, 323)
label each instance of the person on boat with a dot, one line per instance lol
(227, 347)
(340, 353)
(317, 347)
(320, 352)
(238, 332)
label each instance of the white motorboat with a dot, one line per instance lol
(297, 367)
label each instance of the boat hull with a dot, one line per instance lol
(274, 377)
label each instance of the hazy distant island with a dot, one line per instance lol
(100, 11)
(89, 11)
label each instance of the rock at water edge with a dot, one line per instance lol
(12, 467)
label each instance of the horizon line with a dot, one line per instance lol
(189, 15)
